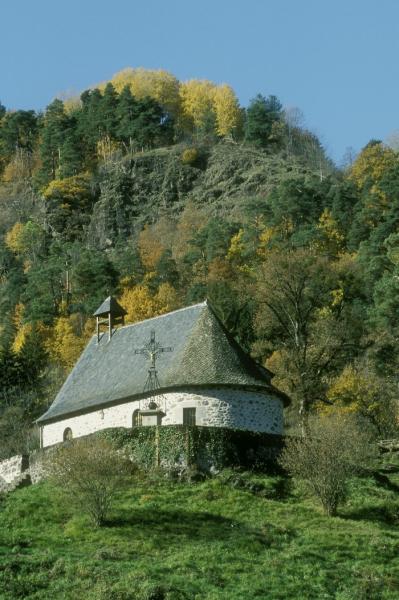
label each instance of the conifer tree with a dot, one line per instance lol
(261, 114)
(72, 149)
(94, 278)
(126, 112)
(55, 125)
(71, 157)
(152, 127)
(18, 131)
(89, 122)
(108, 111)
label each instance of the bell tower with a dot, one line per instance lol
(109, 314)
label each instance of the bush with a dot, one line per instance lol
(89, 471)
(333, 451)
(189, 156)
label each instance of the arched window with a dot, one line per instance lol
(67, 434)
(137, 419)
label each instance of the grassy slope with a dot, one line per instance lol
(207, 540)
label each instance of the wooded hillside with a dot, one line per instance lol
(164, 193)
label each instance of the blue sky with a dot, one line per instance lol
(336, 60)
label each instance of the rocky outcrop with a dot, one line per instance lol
(139, 189)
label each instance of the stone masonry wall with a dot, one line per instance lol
(11, 468)
(216, 407)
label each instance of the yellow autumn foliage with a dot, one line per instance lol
(166, 299)
(372, 163)
(106, 148)
(357, 391)
(18, 317)
(236, 255)
(197, 100)
(25, 240)
(153, 240)
(265, 238)
(14, 238)
(71, 190)
(21, 336)
(227, 110)
(141, 305)
(158, 84)
(189, 156)
(150, 248)
(138, 303)
(23, 330)
(191, 220)
(237, 246)
(71, 104)
(19, 168)
(332, 240)
(64, 346)
(277, 364)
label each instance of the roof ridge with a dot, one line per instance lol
(171, 312)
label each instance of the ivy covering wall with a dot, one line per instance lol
(208, 448)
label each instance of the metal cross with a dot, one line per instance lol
(151, 350)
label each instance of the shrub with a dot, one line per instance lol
(333, 451)
(189, 156)
(89, 471)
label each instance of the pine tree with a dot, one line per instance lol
(18, 131)
(89, 122)
(71, 158)
(126, 112)
(152, 127)
(108, 109)
(54, 127)
(261, 114)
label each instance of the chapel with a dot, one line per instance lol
(183, 367)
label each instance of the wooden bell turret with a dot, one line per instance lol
(109, 314)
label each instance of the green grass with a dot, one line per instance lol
(230, 537)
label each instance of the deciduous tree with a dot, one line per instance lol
(197, 98)
(300, 317)
(227, 110)
(159, 84)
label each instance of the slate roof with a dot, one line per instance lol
(204, 354)
(110, 305)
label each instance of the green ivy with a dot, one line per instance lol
(204, 447)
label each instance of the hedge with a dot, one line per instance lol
(204, 447)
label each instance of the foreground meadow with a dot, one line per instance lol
(235, 537)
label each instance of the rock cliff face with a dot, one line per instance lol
(137, 190)
(141, 188)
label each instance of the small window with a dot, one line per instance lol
(137, 418)
(189, 416)
(67, 437)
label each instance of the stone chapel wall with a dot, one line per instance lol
(215, 407)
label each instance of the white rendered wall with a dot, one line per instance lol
(216, 407)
